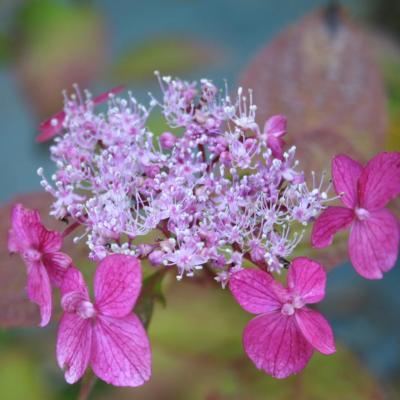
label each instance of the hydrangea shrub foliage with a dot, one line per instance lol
(226, 197)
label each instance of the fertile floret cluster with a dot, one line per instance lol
(220, 188)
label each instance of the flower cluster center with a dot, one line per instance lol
(362, 214)
(290, 307)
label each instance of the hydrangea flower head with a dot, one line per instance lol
(221, 186)
(283, 336)
(374, 230)
(213, 192)
(104, 334)
(40, 250)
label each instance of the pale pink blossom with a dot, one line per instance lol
(40, 249)
(105, 334)
(282, 337)
(374, 230)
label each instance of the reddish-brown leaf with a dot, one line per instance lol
(321, 74)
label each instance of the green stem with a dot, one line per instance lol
(88, 383)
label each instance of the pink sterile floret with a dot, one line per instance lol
(281, 339)
(40, 249)
(104, 334)
(374, 230)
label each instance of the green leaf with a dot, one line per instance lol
(391, 69)
(20, 378)
(151, 293)
(5, 52)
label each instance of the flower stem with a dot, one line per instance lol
(69, 229)
(262, 265)
(88, 383)
(162, 226)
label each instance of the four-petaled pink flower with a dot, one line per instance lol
(51, 126)
(104, 334)
(281, 339)
(40, 249)
(274, 129)
(374, 230)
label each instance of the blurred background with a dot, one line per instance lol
(332, 67)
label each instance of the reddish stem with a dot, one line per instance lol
(260, 264)
(87, 386)
(203, 152)
(162, 226)
(69, 229)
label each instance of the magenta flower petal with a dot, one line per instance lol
(345, 174)
(51, 126)
(74, 282)
(101, 98)
(39, 291)
(380, 181)
(275, 128)
(27, 231)
(117, 284)
(276, 145)
(256, 291)
(74, 343)
(307, 279)
(24, 224)
(56, 264)
(121, 352)
(275, 344)
(331, 220)
(50, 241)
(374, 244)
(316, 330)
(276, 125)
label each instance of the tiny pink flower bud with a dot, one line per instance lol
(168, 140)
(220, 261)
(151, 170)
(225, 158)
(211, 123)
(156, 257)
(167, 245)
(144, 249)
